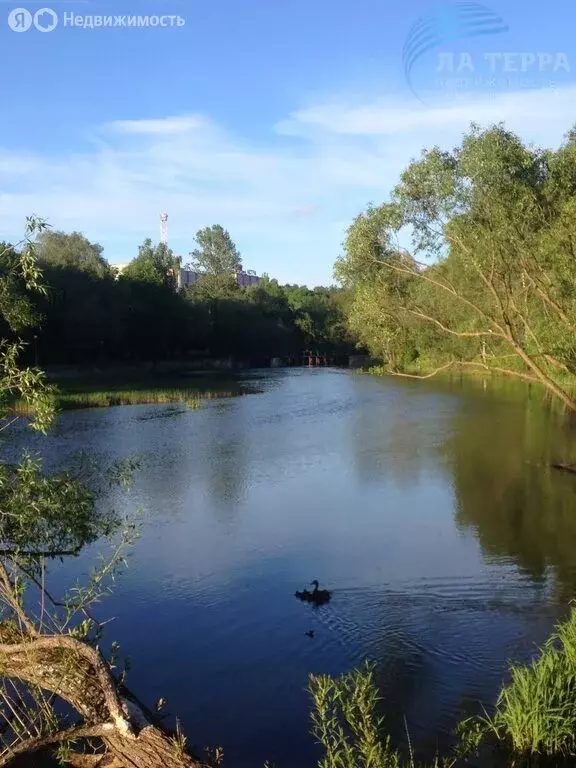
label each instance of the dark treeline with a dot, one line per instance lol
(90, 314)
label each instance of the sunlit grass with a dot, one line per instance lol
(126, 397)
(106, 391)
(536, 711)
(71, 400)
(347, 726)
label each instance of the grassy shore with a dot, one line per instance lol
(535, 714)
(105, 391)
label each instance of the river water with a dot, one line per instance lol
(428, 508)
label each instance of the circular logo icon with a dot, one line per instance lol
(45, 20)
(20, 20)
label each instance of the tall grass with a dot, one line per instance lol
(346, 724)
(135, 397)
(536, 711)
(135, 394)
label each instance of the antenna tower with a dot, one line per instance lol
(164, 228)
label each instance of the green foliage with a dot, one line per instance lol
(38, 513)
(155, 264)
(60, 249)
(214, 287)
(20, 275)
(494, 222)
(52, 515)
(86, 317)
(16, 309)
(346, 724)
(43, 516)
(216, 253)
(536, 711)
(191, 397)
(29, 385)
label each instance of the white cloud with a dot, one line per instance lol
(168, 125)
(383, 118)
(286, 205)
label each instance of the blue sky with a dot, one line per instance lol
(280, 121)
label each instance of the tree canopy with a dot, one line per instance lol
(89, 317)
(73, 250)
(489, 282)
(154, 264)
(216, 253)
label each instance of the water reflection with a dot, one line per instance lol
(506, 491)
(224, 457)
(396, 426)
(494, 444)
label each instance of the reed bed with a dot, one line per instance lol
(190, 398)
(105, 399)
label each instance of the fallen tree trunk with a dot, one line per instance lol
(77, 673)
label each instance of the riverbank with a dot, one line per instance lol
(112, 387)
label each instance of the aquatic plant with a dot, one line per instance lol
(346, 724)
(536, 711)
(105, 399)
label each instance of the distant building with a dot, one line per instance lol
(247, 278)
(190, 276)
(186, 277)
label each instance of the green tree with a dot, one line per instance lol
(213, 286)
(72, 250)
(82, 317)
(216, 253)
(491, 279)
(88, 317)
(154, 264)
(318, 315)
(49, 649)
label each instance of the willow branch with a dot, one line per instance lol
(46, 593)
(492, 288)
(464, 334)
(11, 552)
(527, 326)
(447, 288)
(68, 734)
(505, 371)
(566, 467)
(93, 656)
(552, 303)
(421, 376)
(7, 591)
(557, 363)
